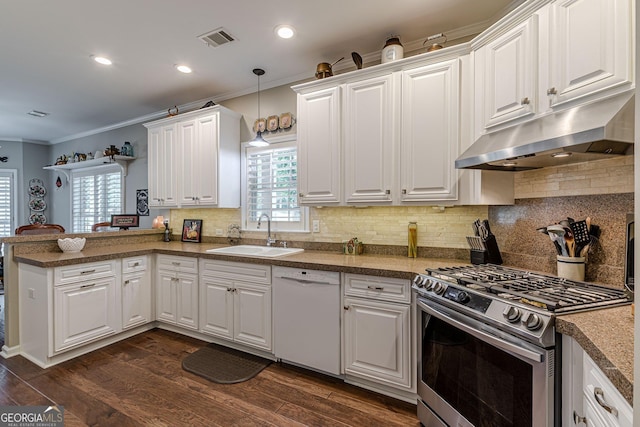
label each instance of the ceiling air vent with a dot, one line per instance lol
(216, 37)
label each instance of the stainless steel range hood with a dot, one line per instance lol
(597, 130)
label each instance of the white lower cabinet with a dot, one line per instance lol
(177, 290)
(378, 344)
(136, 292)
(588, 396)
(235, 302)
(84, 311)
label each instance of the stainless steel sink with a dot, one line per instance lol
(255, 251)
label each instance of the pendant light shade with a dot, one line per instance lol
(258, 141)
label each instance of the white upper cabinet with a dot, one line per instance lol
(550, 56)
(163, 178)
(507, 85)
(319, 143)
(430, 129)
(201, 148)
(590, 48)
(369, 138)
(387, 135)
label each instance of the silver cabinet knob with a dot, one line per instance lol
(552, 91)
(577, 419)
(300, 194)
(525, 101)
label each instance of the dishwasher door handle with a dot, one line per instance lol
(307, 282)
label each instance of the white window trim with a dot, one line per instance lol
(13, 174)
(101, 169)
(275, 226)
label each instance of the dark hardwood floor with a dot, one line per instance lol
(140, 381)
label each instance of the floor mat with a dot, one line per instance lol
(224, 365)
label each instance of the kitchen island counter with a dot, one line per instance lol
(607, 337)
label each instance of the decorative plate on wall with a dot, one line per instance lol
(37, 218)
(37, 205)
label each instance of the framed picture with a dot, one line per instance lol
(192, 230)
(272, 123)
(260, 125)
(286, 120)
(125, 221)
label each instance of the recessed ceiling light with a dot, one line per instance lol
(102, 60)
(285, 31)
(183, 69)
(562, 154)
(509, 164)
(36, 113)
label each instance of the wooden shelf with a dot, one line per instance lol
(120, 160)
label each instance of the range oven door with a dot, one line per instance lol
(471, 374)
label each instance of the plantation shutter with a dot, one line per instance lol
(6, 204)
(272, 184)
(96, 194)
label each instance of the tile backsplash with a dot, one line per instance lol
(600, 189)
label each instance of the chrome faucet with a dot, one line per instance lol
(270, 241)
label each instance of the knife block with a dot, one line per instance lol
(479, 257)
(493, 253)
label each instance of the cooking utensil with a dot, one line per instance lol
(357, 59)
(570, 242)
(556, 234)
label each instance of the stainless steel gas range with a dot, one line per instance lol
(488, 352)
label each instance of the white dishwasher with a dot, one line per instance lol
(306, 317)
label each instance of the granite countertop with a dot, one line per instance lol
(607, 337)
(378, 265)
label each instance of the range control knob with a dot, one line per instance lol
(418, 281)
(532, 321)
(512, 314)
(438, 288)
(462, 297)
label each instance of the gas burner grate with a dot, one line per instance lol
(552, 293)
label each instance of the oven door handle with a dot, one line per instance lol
(497, 342)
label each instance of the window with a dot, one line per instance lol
(96, 194)
(271, 187)
(7, 202)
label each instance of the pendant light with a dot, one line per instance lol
(258, 141)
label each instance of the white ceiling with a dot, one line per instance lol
(45, 49)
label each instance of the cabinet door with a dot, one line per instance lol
(166, 297)
(207, 157)
(369, 138)
(590, 47)
(319, 141)
(252, 315)
(430, 128)
(510, 75)
(84, 311)
(198, 154)
(161, 168)
(188, 160)
(378, 341)
(216, 306)
(136, 299)
(187, 300)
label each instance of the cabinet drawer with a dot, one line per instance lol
(252, 273)
(381, 288)
(177, 263)
(594, 379)
(134, 264)
(88, 271)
